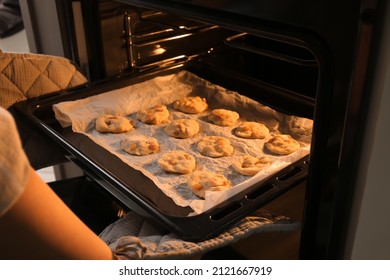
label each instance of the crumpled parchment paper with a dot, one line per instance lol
(81, 115)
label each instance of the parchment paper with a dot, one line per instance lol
(81, 115)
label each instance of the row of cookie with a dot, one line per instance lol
(201, 181)
(218, 146)
(155, 115)
(184, 163)
(179, 128)
(159, 114)
(210, 146)
(187, 128)
(181, 162)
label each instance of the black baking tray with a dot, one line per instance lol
(137, 192)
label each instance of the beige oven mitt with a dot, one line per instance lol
(27, 75)
(131, 237)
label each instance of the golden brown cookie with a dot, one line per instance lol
(155, 115)
(223, 117)
(251, 130)
(177, 162)
(282, 144)
(215, 146)
(191, 105)
(202, 181)
(182, 128)
(249, 165)
(113, 124)
(140, 146)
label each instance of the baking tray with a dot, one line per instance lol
(136, 191)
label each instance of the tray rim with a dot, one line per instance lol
(178, 224)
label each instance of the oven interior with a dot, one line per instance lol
(275, 68)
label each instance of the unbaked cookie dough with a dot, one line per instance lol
(215, 146)
(223, 117)
(191, 104)
(157, 114)
(249, 165)
(282, 144)
(113, 124)
(177, 162)
(202, 181)
(182, 128)
(251, 130)
(140, 146)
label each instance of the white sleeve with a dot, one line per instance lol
(14, 165)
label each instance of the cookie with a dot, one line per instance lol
(155, 115)
(249, 165)
(223, 117)
(202, 181)
(113, 124)
(177, 162)
(215, 146)
(282, 144)
(190, 105)
(140, 146)
(182, 128)
(251, 130)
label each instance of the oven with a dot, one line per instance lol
(310, 59)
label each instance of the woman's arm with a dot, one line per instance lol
(40, 226)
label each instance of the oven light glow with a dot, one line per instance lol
(121, 213)
(159, 50)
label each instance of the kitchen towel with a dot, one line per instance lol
(132, 237)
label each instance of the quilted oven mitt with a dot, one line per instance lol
(27, 75)
(131, 237)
